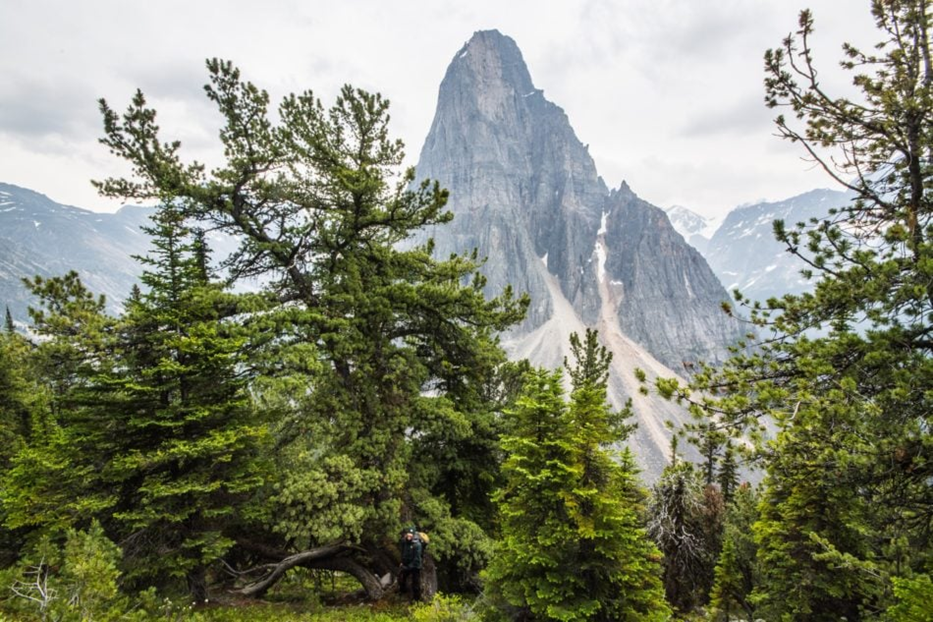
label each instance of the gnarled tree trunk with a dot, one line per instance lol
(338, 557)
(428, 578)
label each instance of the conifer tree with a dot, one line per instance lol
(726, 596)
(736, 573)
(728, 475)
(573, 546)
(855, 415)
(16, 395)
(47, 485)
(614, 563)
(806, 516)
(526, 567)
(841, 381)
(675, 523)
(188, 440)
(8, 322)
(156, 438)
(392, 342)
(73, 325)
(20, 397)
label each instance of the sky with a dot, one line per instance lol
(667, 93)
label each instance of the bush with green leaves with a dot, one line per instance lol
(77, 580)
(442, 608)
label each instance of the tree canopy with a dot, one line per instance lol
(837, 394)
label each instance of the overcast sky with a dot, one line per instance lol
(667, 93)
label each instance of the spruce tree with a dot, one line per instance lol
(675, 523)
(157, 439)
(73, 327)
(808, 515)
(614, 563)
(16, 395)
(736, 573)
(726, 596)
(573, 546)
(728, 475)
(535, 527)
(51, 484)
(186, 452)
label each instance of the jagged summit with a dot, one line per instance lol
(514, 167)
(491, 117)
(490, 57)
(524, 190)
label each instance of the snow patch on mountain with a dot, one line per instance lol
(744, 254)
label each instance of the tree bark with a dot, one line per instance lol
(278, 570)
(428, 578)
(370, 582)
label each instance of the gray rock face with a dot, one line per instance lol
(522, 186)
(668, 298)
(525, 191)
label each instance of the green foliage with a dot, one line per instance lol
(72, 324)
(728, 475)
(187, 445)
(533, 522)
(805, 509)
(443, 609)
(736, 572)
(572, 547)
(837, 396)
(78, 581)
(460, 547)
(43, 486)
(726, 597)
(17, 395)
(913, 599)
(377, 358)
(152, 433)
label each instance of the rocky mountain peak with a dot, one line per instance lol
(487, 101)
(524, 190)
(493, 64)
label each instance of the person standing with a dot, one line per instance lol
(411, 550)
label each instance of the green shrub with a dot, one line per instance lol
(75, 582)
(443, 609)
(913, 595)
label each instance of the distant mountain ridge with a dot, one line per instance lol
(41, 237)
(745, 255)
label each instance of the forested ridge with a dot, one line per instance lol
(220, 455)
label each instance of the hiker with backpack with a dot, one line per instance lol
(412, 550)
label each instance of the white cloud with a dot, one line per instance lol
(666, 92)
